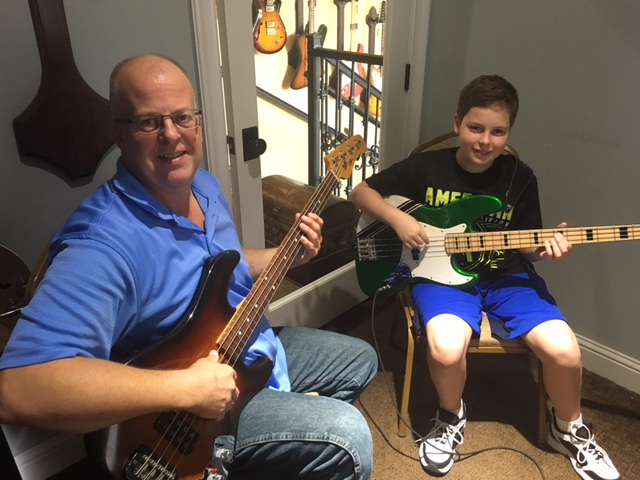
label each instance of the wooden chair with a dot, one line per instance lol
(487, 342)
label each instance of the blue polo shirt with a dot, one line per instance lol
(123, 271)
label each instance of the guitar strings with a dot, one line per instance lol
(258, 298)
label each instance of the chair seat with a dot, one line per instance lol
(489, 342)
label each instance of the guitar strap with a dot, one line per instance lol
(522, 175)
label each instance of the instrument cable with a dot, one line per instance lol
(459, 456)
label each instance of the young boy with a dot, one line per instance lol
(508, 289)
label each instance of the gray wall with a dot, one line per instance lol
(102, 33)
(35, 202)
(576, 66)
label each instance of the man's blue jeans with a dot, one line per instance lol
(289, 435)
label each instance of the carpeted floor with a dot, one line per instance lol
(501, 396)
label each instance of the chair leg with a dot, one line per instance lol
(542, 408)
(406, 387)
(399, 310)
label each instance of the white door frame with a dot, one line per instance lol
(229, 98)
(406, 44)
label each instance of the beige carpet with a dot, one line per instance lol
(501, 398)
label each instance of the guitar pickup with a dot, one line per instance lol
(176, 430)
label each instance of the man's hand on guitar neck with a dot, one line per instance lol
(555, 249)
(310, 226)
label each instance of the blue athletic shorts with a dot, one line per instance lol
(519, 302)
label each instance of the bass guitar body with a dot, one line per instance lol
(269, 33)
(179, 445)
(385, 265)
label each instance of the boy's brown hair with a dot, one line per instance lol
(488, 91)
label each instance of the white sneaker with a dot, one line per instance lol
(438, 448)
(589, 460)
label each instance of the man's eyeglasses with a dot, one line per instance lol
(150, 124)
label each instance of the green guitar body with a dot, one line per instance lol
(384, 265)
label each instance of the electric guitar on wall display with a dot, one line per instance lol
(355, 46)
(300, 79)
(340, 23)
(385, 265)
(269, 33)
(175, 445)
(375, 106)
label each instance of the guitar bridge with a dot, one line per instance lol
(366, 249)
(144, 464)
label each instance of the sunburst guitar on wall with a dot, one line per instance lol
(299, 57)
(269, 33)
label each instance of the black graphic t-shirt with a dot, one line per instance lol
(435, 179)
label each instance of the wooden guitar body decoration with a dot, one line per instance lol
(385, 265)
(269, 33)
(178, 445)
(67, 124)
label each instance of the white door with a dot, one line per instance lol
(226, 71)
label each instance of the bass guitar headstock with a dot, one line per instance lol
(341, 160)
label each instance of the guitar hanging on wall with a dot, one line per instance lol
(385, 265)
(269, 33)
(348, 90)
(300, 52)
(375, 105)
(340, 23)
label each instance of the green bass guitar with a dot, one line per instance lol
(385, 265)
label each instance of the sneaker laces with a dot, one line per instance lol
(587, 446)
(443, 434)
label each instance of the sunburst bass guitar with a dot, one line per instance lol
(385, 265)
(178, 445)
